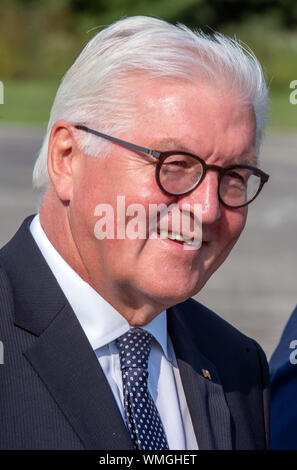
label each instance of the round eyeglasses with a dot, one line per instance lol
(179, 173)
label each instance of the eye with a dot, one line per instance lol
(177, 162)
(235, 175)
(239, 175)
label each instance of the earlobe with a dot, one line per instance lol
(61, 152)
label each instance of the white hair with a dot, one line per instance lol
(93, 90)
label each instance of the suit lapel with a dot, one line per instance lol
(205, 396)
(66, 363)
(60, 352)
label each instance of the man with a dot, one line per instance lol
(149, 115)
(283, 388)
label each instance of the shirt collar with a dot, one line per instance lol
(101, 322)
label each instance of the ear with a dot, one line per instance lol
(62, 151)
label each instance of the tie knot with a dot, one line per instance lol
(135, 347)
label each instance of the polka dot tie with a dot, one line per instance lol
(141, 413)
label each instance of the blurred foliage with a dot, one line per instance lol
(276, 48)
(27, 101)
(39, 39)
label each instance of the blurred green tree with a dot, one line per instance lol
(41, 38)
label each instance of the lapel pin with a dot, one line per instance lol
(206, 374)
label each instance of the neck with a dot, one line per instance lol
(54, 219)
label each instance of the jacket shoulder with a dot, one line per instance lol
(220, 341)
(240, 362)
(6, 295)
(6, 304)
(200, 318)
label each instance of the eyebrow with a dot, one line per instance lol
(251, 160)
(169, 144)
(173, 144)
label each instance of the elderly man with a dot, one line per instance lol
(104, 349)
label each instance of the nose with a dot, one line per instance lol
(206, 194)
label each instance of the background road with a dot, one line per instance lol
(256, 288)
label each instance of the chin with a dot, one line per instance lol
(173, 294)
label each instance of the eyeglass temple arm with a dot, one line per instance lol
(147, 151)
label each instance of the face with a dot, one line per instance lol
(141, 277)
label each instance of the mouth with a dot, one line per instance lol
(182, 239)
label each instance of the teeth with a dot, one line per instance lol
(178, 237)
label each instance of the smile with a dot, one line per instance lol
(190, 241)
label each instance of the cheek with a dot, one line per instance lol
(233, 224)
(95, 184)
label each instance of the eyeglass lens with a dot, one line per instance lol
(180, 173)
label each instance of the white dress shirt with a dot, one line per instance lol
(102, 324)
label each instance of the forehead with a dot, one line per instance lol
(196, 116)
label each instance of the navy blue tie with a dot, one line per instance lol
(141, 413)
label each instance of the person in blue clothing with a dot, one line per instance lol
(283, 368)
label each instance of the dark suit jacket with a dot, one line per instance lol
(284, 389)
(54, 394)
